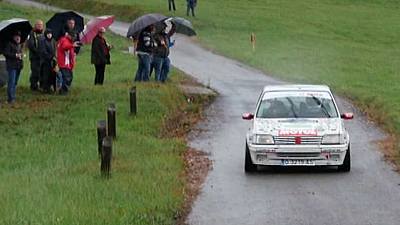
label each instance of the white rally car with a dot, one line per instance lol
(297, 125)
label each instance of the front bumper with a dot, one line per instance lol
(298, 155)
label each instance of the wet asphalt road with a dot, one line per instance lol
(368, 195)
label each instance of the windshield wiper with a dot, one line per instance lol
(324, 110)
(292, 107)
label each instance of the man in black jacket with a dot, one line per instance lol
(144, 49)
(71, 29)
(100, 55)
(47, 61)
(161, 52)
(14, 64)
(34, 56)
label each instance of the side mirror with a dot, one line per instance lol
(347, 116)
(247, 116)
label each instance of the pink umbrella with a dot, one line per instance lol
(93, 26)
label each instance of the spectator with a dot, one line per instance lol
(66, 60)
(144, 48)
(191, 4)
(48, 62)
(100, 55)
(34, 56)
(161, 52)
(14, 64)
(70, 28)
(171, 5)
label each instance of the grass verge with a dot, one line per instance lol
(49, 165)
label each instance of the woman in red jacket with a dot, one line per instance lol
(66, 60)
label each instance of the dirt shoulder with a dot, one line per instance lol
(197, 164)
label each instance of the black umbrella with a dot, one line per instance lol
(10, 27)
(58, 23)
(183, 26)
(142, 22)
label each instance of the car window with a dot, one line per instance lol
(297, 105)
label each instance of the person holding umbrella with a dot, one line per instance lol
(34, 55)
(142, 30)
(70, 28)
(161, 52)
(100, 55)
(144, 49)
(14, 64)
(66, 60)
(68, 21)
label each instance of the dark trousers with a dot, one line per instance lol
(47, 77)
(99, 78)
(190, 7)
(67, 77)
(171, 5)
(35, 73)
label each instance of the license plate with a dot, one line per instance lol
(298, 162)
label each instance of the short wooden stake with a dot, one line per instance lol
(106, 156)
(111, 121)
(101, 134)
(132, 97)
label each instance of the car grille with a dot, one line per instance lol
(300, 155)
(292, 140)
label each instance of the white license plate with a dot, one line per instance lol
(298, 162)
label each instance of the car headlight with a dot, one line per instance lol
(333, 139)
(263, 139)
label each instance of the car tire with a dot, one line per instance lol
(345, 167)
(249, 166)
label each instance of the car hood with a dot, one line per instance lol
(298, 126)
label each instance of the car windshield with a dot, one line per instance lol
(297, 104)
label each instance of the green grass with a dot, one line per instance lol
(49, 168)
(350, 45)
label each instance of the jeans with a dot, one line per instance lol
(13, 77)
(158, 62)
(67, 77)
(165, 69)
(59, 80)
(152, 68)
(143, 71)
(99, 78)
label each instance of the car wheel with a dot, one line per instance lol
(249, 166)
(345, 167)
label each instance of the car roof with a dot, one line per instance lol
(296, 87)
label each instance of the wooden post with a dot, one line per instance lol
(111, 121)
(101, 134)
(132, 97)
(106, 155)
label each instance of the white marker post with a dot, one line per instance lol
(253, 40)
